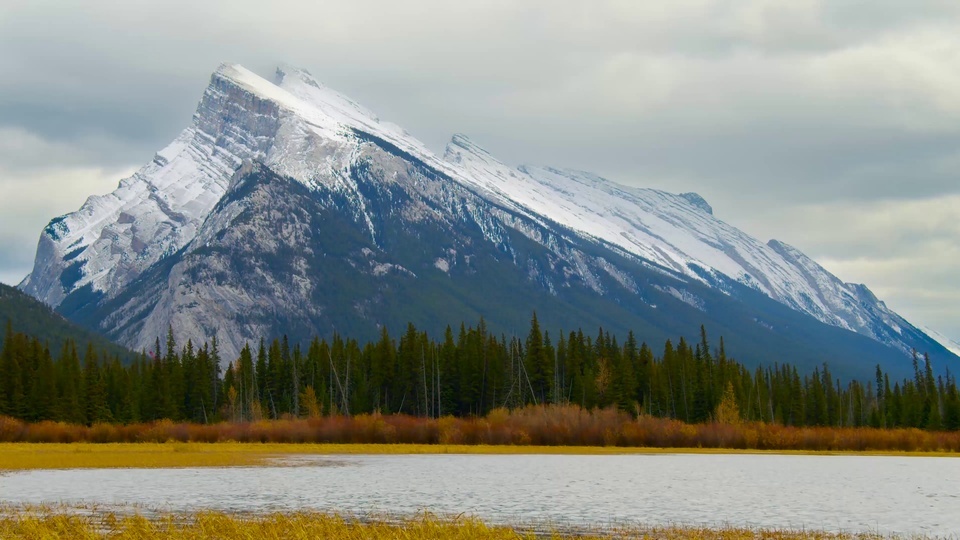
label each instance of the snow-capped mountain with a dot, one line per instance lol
(197, 240)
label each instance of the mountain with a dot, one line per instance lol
(28, 316)
(288, 208)
(951, 345)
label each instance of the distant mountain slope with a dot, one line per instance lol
(31, 317)
(442, 238)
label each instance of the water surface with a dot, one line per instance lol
(889, 495)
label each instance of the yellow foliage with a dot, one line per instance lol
(309, 403)
(728, 412)
(303, 525)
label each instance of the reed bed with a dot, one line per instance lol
(530, 426)
(306, 525)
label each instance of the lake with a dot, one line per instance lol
(902, 495)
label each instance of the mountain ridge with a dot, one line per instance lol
(27, 315)
(287, 277)
(299, 129)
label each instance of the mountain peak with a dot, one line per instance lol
(229, 78)
(287, 70)
(698, 201)
(287, 75)
(248, 80)
(302, 84)
(460, 142)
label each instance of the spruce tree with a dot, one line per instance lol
(43, 392)
(94, 396)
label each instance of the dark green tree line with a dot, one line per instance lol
(468, 371)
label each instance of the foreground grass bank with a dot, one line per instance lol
(554, 425)
(27, 456)
(32, 525)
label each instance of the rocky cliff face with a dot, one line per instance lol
(112, 239)
(287, 207)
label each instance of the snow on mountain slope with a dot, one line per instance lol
(346, 112)
(241, 116)
(299, 128)
(949, 344)
(113, 238)
(678, 232)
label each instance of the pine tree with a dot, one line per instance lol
(6, 353)
(246, 385)
(215, 373)
(94, 396)
(11, 378)
(538, 367)
(951, 406)
(43, 393)
(271, 392)
(69, 408)
(261, 384)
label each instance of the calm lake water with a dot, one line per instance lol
(917, 495)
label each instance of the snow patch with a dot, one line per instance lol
(949, 344)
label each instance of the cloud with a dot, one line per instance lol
(906, 251)
(22, 151)
(928, 298)
(30, 199)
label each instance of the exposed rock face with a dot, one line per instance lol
(287, 207)
(112, 239)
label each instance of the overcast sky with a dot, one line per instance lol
(831, 125)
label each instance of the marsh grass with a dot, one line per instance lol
(25, 456)
(47, 523)
(566, 428)
(22, 456)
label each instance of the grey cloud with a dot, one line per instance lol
(30, 198)
(906, 251)
(15, 266)
(24, 151)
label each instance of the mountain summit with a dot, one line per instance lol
(286, 207)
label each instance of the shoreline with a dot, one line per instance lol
(38, 456)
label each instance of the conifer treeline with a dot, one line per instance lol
(469, 373)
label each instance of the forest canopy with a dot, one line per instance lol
(467, 372)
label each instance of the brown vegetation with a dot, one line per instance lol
(213, 525)
(533, 425)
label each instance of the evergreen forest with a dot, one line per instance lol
(468, 372)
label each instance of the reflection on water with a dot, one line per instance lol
(838, 493)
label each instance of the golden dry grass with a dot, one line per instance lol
(304, 525)
(23, 456)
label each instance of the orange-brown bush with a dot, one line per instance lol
(534, 425)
